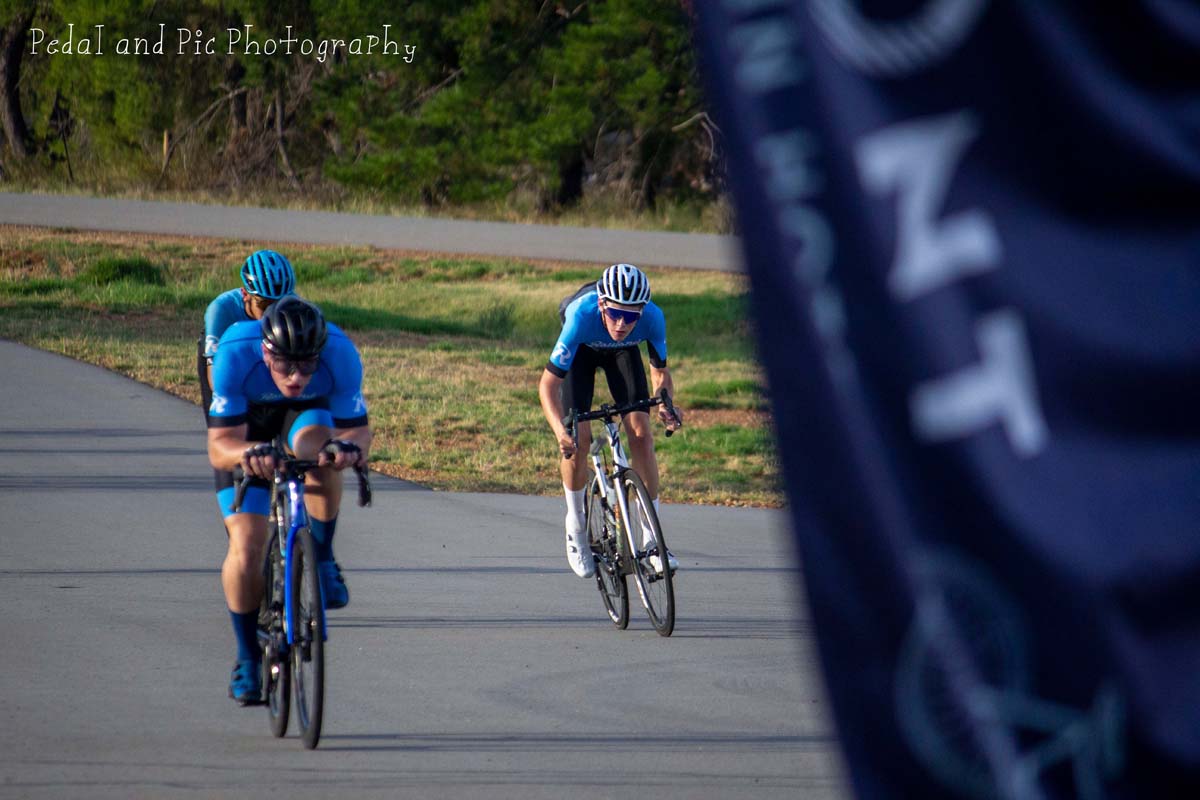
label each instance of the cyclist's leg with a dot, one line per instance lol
(627, 381)
(626, 377)
(577, 390)
(242, 582)
(241, 572)
(307, 431)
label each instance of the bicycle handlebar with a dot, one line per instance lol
(608, 412)
(288, 466)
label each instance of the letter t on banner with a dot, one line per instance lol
(977, 294)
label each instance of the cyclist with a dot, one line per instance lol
(266, 277)
(603, 323)
(293, 374)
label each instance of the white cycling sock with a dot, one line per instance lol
(647, 534)
(574, 502)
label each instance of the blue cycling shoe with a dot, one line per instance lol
(333, 585)
(245, 685)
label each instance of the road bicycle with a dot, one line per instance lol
(615, 497)
(291, 619)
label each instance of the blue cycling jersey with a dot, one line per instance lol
(242, 378)
(584, 327)
(225, 310)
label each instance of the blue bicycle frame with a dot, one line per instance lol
(298, 518)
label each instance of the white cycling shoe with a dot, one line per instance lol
(579, 554)
(649, 543)
(656, 562)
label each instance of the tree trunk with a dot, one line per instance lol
(234, 72)
(283, 155)
(12, 47)
(570, 180)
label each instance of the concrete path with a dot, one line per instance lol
(597, 245)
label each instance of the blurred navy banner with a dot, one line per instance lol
(972, 230)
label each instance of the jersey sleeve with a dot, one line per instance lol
(567, 345)
(656, 336)
(346, 402)
(212, 329)
(225, 310)
(229, 402)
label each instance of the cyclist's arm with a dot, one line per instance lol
(347, 404)
(362, 436)
(217, 318)
(550, 393)
(227, 449)
(660, 378)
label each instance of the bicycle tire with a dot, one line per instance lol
(277, 674)
(308, 648)
(657, 589)
(610, 580)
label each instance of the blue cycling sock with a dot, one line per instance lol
(245, 630)
(322, 533)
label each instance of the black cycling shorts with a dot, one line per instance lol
(622, 367)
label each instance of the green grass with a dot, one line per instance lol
(453, 349)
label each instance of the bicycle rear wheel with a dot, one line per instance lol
(277, 675)
(603, 538)
(308, 648)
(656, 587)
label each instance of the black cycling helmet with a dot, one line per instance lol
(294, 328)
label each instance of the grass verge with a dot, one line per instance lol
(453, 349)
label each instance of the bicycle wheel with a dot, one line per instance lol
(603, 539)
(308, 648)
(655, 587)
(277, 676)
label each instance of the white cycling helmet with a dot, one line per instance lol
(624, 284)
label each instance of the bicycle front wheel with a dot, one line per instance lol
(277, 675)
(654, 580)
(308, 647)
(603, 538)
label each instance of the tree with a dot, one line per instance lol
(16, 18)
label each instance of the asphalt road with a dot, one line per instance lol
(470, 664)
(644, 248)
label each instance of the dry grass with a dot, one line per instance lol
(453, 349)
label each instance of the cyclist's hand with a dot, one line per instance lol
(339, 454)
(673, 423)
(566, 444)
(259, 460)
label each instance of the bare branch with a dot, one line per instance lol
(175, 140)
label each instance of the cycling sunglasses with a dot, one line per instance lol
(258, 301)
(286, 366)
(618, 315)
